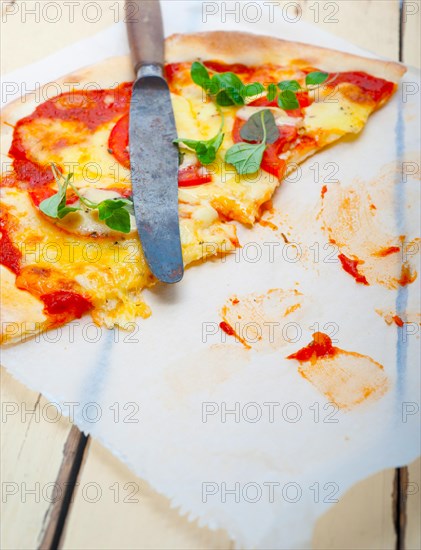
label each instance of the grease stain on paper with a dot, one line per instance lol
(346, 378)
(366, 251)
(260, 321)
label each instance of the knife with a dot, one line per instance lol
(153, 155)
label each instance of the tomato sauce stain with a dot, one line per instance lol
(346, 378)
(351, 267)
(407, 275)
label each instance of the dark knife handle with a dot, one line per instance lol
(146, 32)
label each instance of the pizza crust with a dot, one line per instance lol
(255, 49)
(21, 313)
(229, 47)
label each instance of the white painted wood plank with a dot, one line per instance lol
(411, 24)
(31, 31)
(128, 513)
(370, 24)
(362, 519)
(31, 455)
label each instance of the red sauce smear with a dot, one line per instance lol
(321, 346)
(382, 253)
(65, 302)
(227, 328)
(398, 320)
(407, 277)
(351, 267)
(323, 191)
(10, 255)
(376, 88)
(221, 67)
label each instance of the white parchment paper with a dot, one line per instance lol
(160, 399)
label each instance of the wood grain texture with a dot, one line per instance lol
(108, 493)
(411, 32)
(362, 519)
(32, 443)
(73, 454)
(370, 24)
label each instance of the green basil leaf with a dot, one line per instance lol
(119, 220)
(205, 150)
(288, 101)
(208, 155)
(252, 89)
(107, 208)
(252, 130)
(317, 77)
(246, 157)
(180, 157)
(52, 205)
(66, 210)
(225, 81)
(228, 89)
(272, 92)
(199, 74)
(224, 100)
(292, 85)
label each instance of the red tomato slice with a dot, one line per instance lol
(119, 145)
(271, 162)
(118, 142)
(193, 175)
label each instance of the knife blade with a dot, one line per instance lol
(153, 155)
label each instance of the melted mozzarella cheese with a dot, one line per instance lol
(337, 115)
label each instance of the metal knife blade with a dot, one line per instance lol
(153, 156)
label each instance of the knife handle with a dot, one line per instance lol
(146, 33)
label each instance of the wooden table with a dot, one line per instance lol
(99, 502)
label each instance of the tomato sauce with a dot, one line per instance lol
(382, 253)
(376, 88)
(236, 68)
(321, 346)
(351, 267)
(10, 255)
(398, 321)
(407, 276)
(63, 302)
(224, 326)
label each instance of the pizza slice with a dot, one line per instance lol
(248, 108)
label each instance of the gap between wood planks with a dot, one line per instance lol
(400, 485)
(73, 454)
